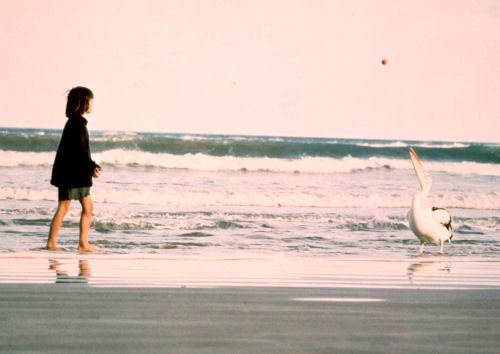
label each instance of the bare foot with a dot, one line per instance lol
(87, 248)
(52, 247)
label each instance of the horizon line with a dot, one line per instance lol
(261, 135)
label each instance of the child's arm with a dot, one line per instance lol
(90, 165)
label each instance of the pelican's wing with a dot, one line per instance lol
(442, 216)
(423, 177)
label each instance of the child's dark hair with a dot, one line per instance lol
(78, 101)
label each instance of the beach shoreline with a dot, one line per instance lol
(249, 270)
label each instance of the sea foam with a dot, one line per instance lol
(204, 162)
(173, 195)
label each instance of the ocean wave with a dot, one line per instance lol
(108, 225)
(182, 226)
(384, 145)
(17, 158)
(255, 146)
(442, 145)
(203, 197)
(114, 138)
(321, 165)
(202, 162)
(401, 144)
(118, 133)
(225, 222)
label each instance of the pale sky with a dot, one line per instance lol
(294, 68)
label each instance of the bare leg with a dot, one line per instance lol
(55, 225)
(85, 219)
(421, 249)
(84, 267)
(441, 248)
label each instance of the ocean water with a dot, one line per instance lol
(205, 195)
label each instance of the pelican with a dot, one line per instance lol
(430, 225)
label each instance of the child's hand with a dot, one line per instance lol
(97, 172)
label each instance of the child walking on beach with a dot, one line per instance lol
(73, 168)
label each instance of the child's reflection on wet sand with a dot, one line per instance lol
(62, 275)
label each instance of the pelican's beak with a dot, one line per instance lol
(422, 176)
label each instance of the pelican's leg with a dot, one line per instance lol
(421, 249)
(441, 246)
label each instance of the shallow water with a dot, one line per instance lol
(205, 195)
(133, 270)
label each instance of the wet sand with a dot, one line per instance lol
(115, 305)
(75, 318)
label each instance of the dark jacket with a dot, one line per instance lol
(73, 166)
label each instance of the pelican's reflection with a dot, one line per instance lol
(63, 277)
(429, 268)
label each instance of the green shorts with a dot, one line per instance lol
(73, 193)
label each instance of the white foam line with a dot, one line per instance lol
(338, 299)
(215, 285)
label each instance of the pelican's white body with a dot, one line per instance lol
(426, 224)
(430, 226)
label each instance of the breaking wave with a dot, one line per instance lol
(254, 146)
(202, 162)
(199, 197)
